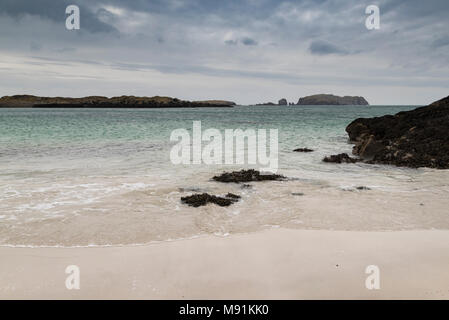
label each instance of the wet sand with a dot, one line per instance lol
(273, 264)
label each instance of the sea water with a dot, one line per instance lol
(79, 177)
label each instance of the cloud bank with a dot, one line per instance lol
(247, 51)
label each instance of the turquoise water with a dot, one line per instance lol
(127, 140)
(74, 177)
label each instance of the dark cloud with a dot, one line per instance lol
(441, 42)
(54, 11)
(321, 47)
(231, 42)
(247, 41)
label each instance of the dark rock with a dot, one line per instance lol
(233, 196)
(416, 138)
(246, 186)
(363, 188)
(297, 194)
(340, 158)
(191, 189)
(246, 176)
(329, 99)
(203, 199)
(303, 150)
(283, 102)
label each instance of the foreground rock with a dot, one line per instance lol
(329, 99)
(246, 176)
(303, 150)
(340, 158)
(198, 200)
(28, 101)
(416, 138)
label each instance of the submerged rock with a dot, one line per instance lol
(198, 200)
(246, 176)
(340, 158)
(232, 196)
(303, 150)
(416, 138)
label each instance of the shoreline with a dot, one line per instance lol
(271, 264)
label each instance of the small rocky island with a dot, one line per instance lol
(416, 138)
(329, 99)
(282, 102)
(29, 101)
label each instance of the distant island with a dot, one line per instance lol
(282, 102)
(320, 100)
(329, 99)
(29, 101)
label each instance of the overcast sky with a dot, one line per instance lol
(249, 51)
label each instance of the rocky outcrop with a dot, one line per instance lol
(416, 138)
(329, 99)
(303, 150)
(246, 176)
(28, 101)
(340, 158)
(198, 200)
(282, 102)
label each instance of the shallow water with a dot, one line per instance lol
(74, 177)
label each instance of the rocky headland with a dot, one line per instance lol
(29, 101)
(416, 138)
(329, 99)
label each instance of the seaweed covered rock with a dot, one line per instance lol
(202, 199)
(340, 158)
(246, 176)
(303, 150)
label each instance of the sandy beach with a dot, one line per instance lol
(272, 264)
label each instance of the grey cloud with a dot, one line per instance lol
(247, 41)
(231, 42)
(34, 46)
(54, 11)
(209, 37)
(440, 42)
(321, 47)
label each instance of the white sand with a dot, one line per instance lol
(275, 264)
